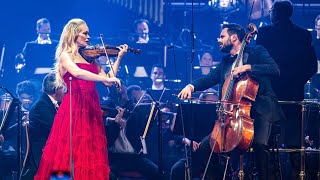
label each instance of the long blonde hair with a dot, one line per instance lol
(67, 44)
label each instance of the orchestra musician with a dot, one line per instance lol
(135, 93)
(257, 61)
(43, 29)
(26, 61)
(41, 118)
(291, 48)
(25, 91)
(157, 76)
(206, 63)
(142, 30)
(123, 133)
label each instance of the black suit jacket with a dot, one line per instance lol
(263, 68)
(290, 47)
(316, 45)
(41, 117)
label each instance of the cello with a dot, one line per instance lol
(234, 128)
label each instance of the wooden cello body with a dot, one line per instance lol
(234, 128)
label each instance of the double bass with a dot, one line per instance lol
(234, 128)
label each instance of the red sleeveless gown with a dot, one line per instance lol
(89, 143)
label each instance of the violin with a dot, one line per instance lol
(110, 111)
(93, 52)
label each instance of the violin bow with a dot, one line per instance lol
(105, 51)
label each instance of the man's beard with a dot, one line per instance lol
(226, 48)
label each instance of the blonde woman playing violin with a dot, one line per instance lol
(89, 155)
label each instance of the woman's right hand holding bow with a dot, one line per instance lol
(112, 81)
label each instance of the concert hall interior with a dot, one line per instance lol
(149, 89)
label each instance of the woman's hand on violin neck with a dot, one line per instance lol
(186, 92)
(123, 50)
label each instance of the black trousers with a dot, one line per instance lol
(262, 130)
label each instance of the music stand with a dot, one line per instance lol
(167, 96)
(158, 115)
(39, 58)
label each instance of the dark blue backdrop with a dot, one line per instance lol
(18, 19)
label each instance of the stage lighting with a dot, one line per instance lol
(225, 6)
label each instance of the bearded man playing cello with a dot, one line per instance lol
(257, 63)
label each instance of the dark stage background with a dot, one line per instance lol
(115, 21)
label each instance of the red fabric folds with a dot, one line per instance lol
(89, 143)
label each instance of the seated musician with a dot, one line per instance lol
(157, 76)
(36, 57)
(25, 91)
(135, 93)
(175, 144)
(142, 30)
(199, 149)
(200, 155)
(257, 62)
(123, 133)
(206, 63)
(41, 118)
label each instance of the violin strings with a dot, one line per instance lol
(105, 51)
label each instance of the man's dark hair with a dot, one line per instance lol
(158, 66)
(282, 9)
(235, 29)
(42, 21)
(25, 87)
(48, 83)
(132, 88)
(138, 21)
